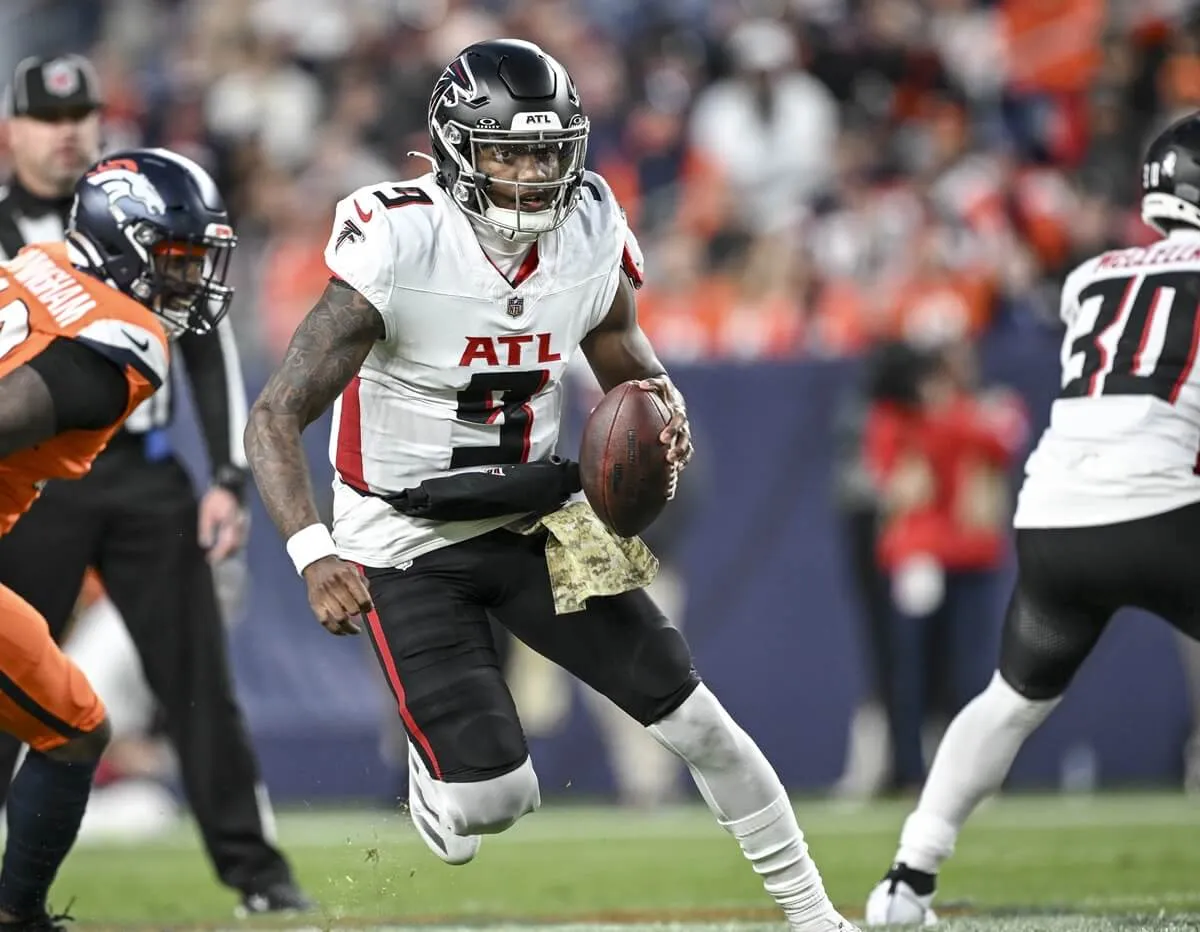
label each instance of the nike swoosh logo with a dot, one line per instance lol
(366, 216)
(143, 344)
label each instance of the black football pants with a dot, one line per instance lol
(136, 522)
(432, 631)
(1071, 581)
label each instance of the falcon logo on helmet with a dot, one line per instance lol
(457, 86)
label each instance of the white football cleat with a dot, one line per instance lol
(432, 827)
(894, 902)
(830, 922)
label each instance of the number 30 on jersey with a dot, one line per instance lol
(1133, 335)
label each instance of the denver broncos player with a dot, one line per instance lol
(456, 301)
(84, 327)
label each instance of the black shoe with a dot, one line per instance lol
(282, 897)
(43, 922)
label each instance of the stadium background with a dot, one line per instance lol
(935, 167)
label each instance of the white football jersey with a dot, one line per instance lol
(469, 374)
(1124, 433)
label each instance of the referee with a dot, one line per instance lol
(136, 519)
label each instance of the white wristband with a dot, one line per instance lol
(309, 545)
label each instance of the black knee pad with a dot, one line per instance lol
(466, 725)
(1042, 646)
(487, 744)
(661, 676)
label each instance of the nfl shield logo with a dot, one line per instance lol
(516, 306)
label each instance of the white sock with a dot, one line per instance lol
(971, 763)
(744, 793)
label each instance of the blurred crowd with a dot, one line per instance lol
(807, 176)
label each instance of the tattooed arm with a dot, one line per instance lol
(325, 353)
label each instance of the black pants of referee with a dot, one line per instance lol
(135, 521)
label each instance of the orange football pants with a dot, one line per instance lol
(45, 700)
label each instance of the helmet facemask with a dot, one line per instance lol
(520, 182)
(183, 281)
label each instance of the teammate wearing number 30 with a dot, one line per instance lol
(1108, 516)
(456, 302)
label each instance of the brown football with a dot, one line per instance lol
(622, 464)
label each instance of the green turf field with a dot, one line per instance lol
(1062, 864)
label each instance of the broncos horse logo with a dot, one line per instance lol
(122, 180)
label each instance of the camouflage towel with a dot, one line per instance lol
(585, 558)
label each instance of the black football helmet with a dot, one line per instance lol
(1171, 177)
(152, 224)
(509, 97)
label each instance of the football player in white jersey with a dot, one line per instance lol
(1108, 515)
(457, 299)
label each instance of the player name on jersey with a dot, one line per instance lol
(58, 290)
(1159, 254)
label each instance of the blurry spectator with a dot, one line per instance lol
(293, 261)
(762, 307)
(1189, 655)
(943, 468)
(267, 98)
(1053, 46)
(937, 291)
(677, 305)
(853, 237)
(1110, 163)
(970, 43)
(454, 24)
(317, 32)
(771, 128)
(892, 378)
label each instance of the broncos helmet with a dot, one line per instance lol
(1171, 177)
(153, 224)
(509, 97)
